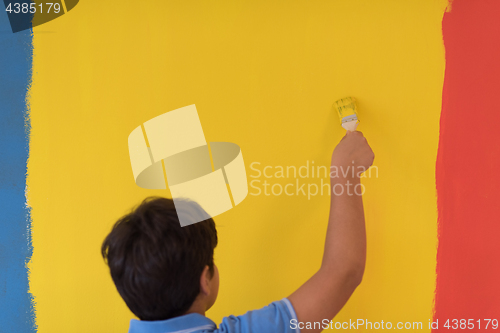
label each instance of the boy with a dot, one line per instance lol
(167, 277)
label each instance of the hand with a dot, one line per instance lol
(353, 151)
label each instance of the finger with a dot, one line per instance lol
(355, 133)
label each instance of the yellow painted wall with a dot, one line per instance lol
(264, 75)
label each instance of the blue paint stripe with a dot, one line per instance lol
(16, 304)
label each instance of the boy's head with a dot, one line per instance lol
(159, 267)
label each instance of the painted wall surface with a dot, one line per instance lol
(467, 175)
(263, 75)
(16, 308)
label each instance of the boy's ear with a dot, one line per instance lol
(205, 281)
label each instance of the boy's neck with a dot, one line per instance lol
(197, 307)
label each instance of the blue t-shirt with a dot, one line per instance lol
(273, 318)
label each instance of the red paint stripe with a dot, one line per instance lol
(468, 166)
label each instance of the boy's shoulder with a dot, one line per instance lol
(275, 317)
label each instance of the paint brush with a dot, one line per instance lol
(346, 108)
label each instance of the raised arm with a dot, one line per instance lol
(321, 297)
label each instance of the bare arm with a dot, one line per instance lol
(326, 292)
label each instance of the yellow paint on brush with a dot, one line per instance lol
(347, 110)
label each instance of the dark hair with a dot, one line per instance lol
(155, 263)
